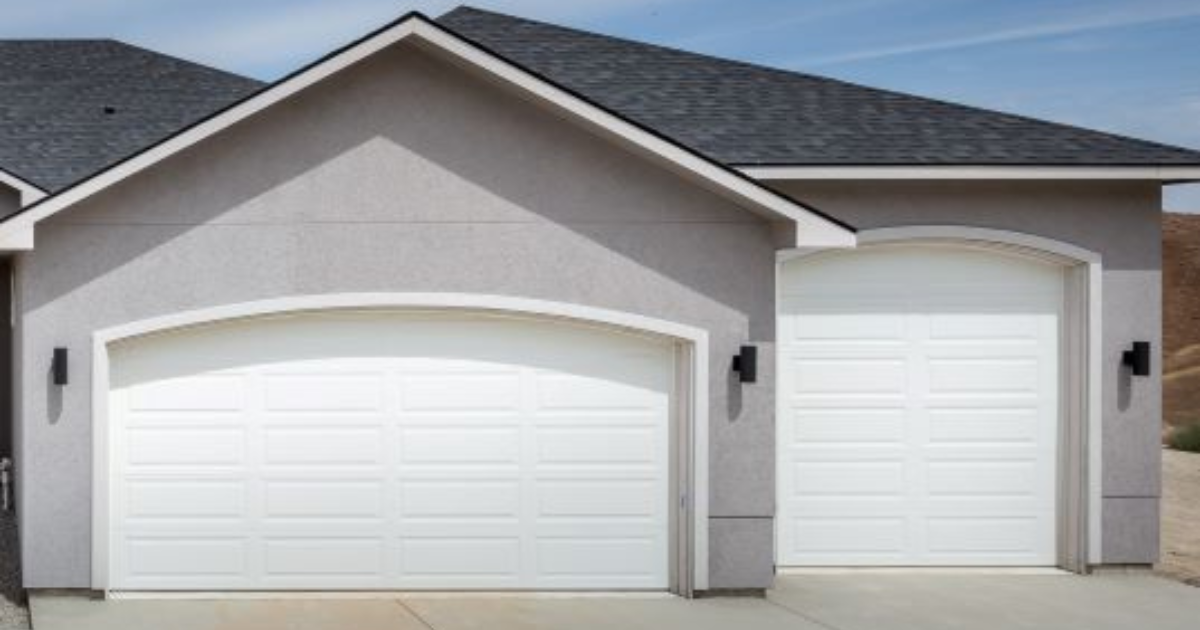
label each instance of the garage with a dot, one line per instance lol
(919, 407)
(386, 450)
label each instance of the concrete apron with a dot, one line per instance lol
(850, 601)
(413, 612)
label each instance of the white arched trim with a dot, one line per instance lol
(1080, 456)
(690, 536)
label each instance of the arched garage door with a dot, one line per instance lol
(372, 450)
(918, 408)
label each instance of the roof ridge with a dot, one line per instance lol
(798, 74)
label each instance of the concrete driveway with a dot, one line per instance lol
(800, 602)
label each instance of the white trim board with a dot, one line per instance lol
(695, 339)
(1165, 174)
(812, 228)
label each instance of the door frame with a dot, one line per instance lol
(688, 520)
(1079, 460)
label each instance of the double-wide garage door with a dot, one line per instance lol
(918, 408)
(375, 450)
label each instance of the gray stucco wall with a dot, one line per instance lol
(408, 175)
(1121, 222)
(403, 175)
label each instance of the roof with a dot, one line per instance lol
(812, 228)
(69, 108)
(748, 115)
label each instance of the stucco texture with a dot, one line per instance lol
(403, 174)
(409, 174)
(1120, 221)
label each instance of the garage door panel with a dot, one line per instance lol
(848, 479)
(598, 498)
(451, 392)
(453, 444)
(329, 391)
(983, 535)
(209, 393)
(984, 425)
(334, 456)
(184, 558)
(322, 500)
(288, 557)
(461, 559)
(865, 376)
(871, 324)
(460, 498)
(882, 533)
(166, 446)
(989, 376)
(158, 499)
(322, 446)
(915, 425)
(631, 561)
(1007, 478)
(842, 425)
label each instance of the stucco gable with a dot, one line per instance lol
(812, 228)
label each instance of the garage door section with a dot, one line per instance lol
(918, 408)
(378, 451)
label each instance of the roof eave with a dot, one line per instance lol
(1165, 174)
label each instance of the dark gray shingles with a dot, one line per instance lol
(744, 114)
(69, 108)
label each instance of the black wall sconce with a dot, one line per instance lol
(58, 367)
(1138, 358)
(745, 363)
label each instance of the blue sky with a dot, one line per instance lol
(1127, 66)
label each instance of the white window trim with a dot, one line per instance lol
(812, 228)
(694, 340)
(1084, 276)
(1165, 174)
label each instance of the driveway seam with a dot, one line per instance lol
(400, 603)
(801, 615)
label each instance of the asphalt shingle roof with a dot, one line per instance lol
(743, 114)
(69, 108)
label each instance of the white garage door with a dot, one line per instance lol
(376, 451)
(918, 408)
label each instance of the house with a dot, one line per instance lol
(485, 303)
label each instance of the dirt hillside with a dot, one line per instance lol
(1181, 318)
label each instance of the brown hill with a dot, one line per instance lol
(1181, 318)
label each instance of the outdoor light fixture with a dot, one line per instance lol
(745, 363)
(59, 366)
(1138, 358)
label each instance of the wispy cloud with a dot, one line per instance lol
(1134, 15)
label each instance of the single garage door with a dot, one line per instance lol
(918, 408)
(363, 450)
